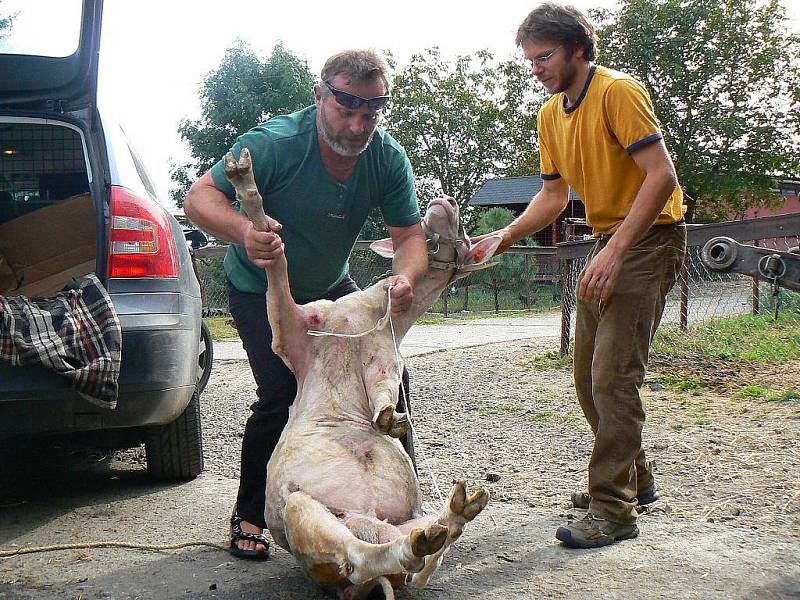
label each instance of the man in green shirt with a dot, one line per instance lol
(320, 171)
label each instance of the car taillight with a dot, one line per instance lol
(141, 238)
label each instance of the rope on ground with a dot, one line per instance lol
(108, 544)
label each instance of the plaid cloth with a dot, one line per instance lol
(77, 334)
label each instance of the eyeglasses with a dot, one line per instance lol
(352, 101)
(540, 61)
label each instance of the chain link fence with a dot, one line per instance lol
(701, 295)
(536, 279)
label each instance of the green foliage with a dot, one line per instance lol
(499, 409)
(510, 269)
(463, 122)
(551, 361)
(214, 281)
(6, 21)
(723, 77)
(757, 392)
(243, 91)
(784, 396)
(681, 384)
(751, 391)
(745, 337)
(220, 329)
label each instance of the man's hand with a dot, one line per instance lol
(263, 246)
(402, 293)
(504, 245)
(600, 276)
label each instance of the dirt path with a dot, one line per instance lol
(728, 525)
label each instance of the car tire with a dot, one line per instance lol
(205, 357)
(175, 450)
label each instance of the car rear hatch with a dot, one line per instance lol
(49, 167)
(49, 53)
(68, 208)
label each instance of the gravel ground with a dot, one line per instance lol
(501, 415)
(505, 416)
(504, 412)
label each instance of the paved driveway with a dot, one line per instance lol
(456, 333)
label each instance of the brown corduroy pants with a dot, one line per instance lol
(612, 344)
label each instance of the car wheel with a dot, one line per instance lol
(175, 450)
(205, 357)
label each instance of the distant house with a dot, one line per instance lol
(515, 193)
(790, 190)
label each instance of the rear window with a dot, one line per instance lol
(40, 163)
(40, 27)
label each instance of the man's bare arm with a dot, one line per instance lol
(660, 180)
(208, 208)
(545, 207)
(409, 263)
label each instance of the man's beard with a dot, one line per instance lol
(566, 80)
(335, 142)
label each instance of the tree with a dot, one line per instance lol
(241, 92)
(510, 269)
(6, 22)
(723, 77)
(464, 121)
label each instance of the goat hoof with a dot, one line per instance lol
(429, 540)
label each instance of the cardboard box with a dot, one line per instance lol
(46, 248)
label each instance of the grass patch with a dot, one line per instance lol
(438, 319)
(753, 392)
(783, 396)
(551, 361)
(542, 417)
(744, 337)
(682, 384)
(499, 409)
(218, 328)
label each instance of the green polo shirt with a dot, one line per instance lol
(321, 217)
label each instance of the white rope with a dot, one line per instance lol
(408, 405)
(380, 325)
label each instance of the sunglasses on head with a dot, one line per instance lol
(352, 101)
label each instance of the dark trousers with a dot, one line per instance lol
(612, 343)
(276, 388)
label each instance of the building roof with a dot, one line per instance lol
(504, 191)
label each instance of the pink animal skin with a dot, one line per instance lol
(342, 495)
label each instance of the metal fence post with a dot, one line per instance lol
(684, 325)
(756, 302)
(527, 283)
(566, 276)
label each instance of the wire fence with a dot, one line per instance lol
(544, 279)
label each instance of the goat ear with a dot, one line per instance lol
(480, 253)
(383, 248)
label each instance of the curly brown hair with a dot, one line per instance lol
(560, 23)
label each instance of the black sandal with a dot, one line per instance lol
(237, 534)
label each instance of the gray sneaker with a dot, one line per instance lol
(582, 499)
(593, 532)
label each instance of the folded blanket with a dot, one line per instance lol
(77, 334)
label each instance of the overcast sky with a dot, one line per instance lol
(154, 54)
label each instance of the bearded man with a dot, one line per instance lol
(320, 171)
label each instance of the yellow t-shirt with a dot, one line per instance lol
(590, 144)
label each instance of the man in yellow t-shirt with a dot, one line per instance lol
(598, 134)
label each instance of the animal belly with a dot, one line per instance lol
(348, 469)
